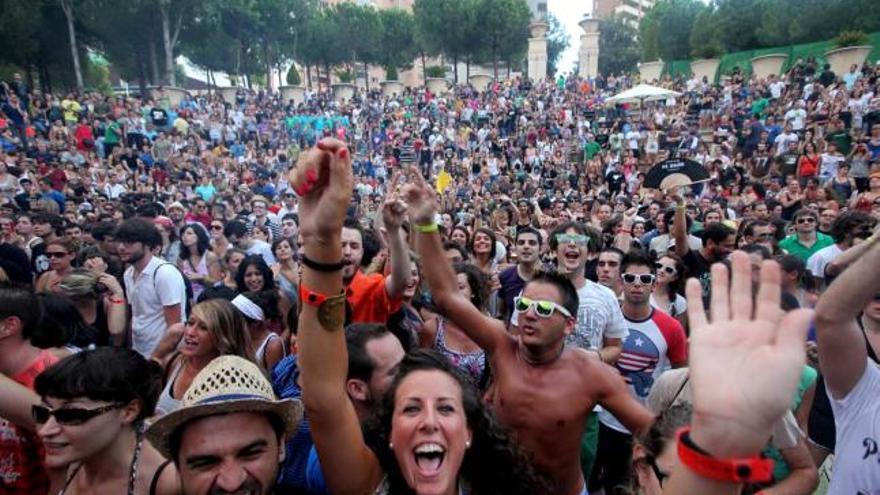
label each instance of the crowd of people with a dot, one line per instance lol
(461, 293)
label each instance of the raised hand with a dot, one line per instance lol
(746, 363)
(323, 179)
(420, 198)
(393, 212)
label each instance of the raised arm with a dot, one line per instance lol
(16, 401)
(842, 350)
(679, 227)
(487, 332)
(745, 367)
(323, 178)
(392, 216)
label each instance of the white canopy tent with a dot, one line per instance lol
(642, 93)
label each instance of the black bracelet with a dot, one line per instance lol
(322, 267)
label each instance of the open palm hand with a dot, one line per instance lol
(746, 363)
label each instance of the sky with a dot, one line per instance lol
(570, 12)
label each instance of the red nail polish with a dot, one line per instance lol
(343, 153)
(311, 176)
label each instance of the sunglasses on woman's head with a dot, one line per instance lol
(544, 309)
(70, 416)
(666, 268)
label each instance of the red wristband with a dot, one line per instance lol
(310, 297)
(747, 470)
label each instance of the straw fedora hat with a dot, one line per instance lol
(228, 384)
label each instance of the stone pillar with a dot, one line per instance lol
(538, 50)
(588, 55)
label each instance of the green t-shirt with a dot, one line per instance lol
(793, 246)
(592, 149)
(112, 133)
(842, 139)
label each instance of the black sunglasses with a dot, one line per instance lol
(55, 254)
(666, 268)
(69, 416)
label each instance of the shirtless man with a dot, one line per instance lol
(543, 390)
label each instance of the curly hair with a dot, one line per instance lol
(478, 283)
(260, 264)
(203, 242)
(493, 465)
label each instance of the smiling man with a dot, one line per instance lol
(228, 436)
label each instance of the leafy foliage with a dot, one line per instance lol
(558, 41)
(850, 38)
(618, 48)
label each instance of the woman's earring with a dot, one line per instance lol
(467, 444)
(390, 446)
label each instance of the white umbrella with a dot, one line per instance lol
(642, 93)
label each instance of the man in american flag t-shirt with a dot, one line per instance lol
(656, 342)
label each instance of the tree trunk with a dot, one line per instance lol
(508, 70)
(455, 68)
(71, 32)
(166, 42)
(154, 62)
(142, 78)
(366, 77)
(495, 65)
(467, 70)
(309, 76)
(424, 69)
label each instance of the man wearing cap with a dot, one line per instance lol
(228, 435)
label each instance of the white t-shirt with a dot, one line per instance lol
(817, 262)
(160, 284)
(829, 165)
(651, 347)
(857, 418)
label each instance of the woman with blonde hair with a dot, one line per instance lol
(100, 301)
(215, 328)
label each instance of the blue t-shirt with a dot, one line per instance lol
(292, 474)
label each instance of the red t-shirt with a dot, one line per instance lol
(21, 452)
(368, 299)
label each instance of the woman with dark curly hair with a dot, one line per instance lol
(254, 275)
(486, 458)
(445, 337)
(195, 257)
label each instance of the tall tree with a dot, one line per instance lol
(705, 42)
(504, 28)
(618, 47)
(397, 47)
(667, 28)
(558, 41)
(172, 14)
(68, 6)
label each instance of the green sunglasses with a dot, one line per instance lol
(544, 309)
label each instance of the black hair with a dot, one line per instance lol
(15, 263)
(566, 289)
(529, 230)
(578, 227)
(109, 374)
(467, 234)
(717, 233)
(790, 263)
(758, 249)
(636, 257)
(493, 465)
(458, 247)
(477, 282)
(61, 324)
(267, 300)
(849, 221)
(217, 292)
(260, 263)
(102, 230)
(236, 229)
(488, 232)
(371, 244)
(289, 241)
(138, 230)
(21, 301)
(357, 335)
(203, 242)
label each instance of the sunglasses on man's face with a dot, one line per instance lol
(643, 278)
(69, 416)
(544, 309)
(216, 227)
(578, 239)
(803, 220)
